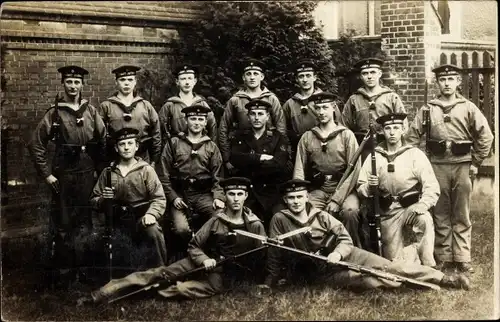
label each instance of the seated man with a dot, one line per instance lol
(210, 243)
(323, 155)
(261, 154)
(325, 227)
(136, 190)
(408, 188)
(189, 171)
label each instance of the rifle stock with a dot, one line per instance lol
(426, 122)
(374, 218)
(109, 213)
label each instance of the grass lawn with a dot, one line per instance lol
(20, 300)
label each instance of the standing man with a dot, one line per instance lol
(298, 111)
(261, 154)
(458, 142)
(323, 154)
(329, 236)
(136, 192)
(209, 244)
(235, 115)
(171, 118)
(127, 109)
(79, 134)
(370, 101)
(408, 189)
(189, 170)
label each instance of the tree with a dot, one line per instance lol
(278, 33)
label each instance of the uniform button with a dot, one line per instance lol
(264, 150)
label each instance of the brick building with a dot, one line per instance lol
(414, 35)
(39, 37)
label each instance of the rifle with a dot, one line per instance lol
(55, 128)
(426, 122)
(354, 160)
(109, 214)
(354, 267)
(55, 131)
(374, 220)
(222, 261)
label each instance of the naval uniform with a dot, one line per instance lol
(80, 144)
(460, 136)
(211, 241)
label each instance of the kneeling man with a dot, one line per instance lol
(408, 189)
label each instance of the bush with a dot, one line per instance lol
(278, 33)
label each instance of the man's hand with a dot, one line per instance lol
(230, 167)
(418, 208)
(373, 180)
(53, 183)
(108, 193)
(209, 264)
(218, 204)
(332, 207)
(334, 257)
(179, 204)
(148, 219)
(266, 157)
(473, 172)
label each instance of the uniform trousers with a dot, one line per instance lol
(201, 205)
(392, 230)
(71, 217)
(348, 214)
(129, 232)
(451, 213)
(323, 272)
(207, 284)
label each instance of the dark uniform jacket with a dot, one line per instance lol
(265, 175)
(143, 117)
(235, 118)
(200, 161)
(79, 148)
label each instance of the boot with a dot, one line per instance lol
(464, 267)
(459, 281)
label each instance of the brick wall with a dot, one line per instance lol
(37, 38)
(410, 37)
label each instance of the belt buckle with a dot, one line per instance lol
(448, 145)
(328, 177)
(83, 148)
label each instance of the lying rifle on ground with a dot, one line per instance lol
(354, 267)
(166, 282)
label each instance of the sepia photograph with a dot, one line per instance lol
(249, 160)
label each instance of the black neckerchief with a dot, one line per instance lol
(391, 157)
(331, 136)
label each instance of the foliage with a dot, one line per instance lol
(278, 33)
